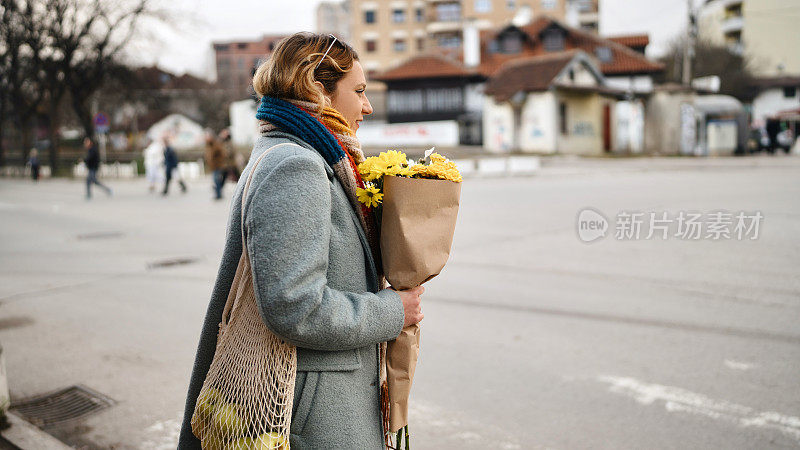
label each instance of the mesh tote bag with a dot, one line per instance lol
(246, 398)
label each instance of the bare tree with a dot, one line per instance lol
(58, 49)
(732, 68)
(23, 45)
(90, 37)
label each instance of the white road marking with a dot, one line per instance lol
(738, 365)
(680, 400)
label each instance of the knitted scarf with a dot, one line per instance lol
(330, 135)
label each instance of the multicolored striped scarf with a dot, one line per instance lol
(330, 135)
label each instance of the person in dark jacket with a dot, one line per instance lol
(33, 160)
(170, 164)
(92, 161)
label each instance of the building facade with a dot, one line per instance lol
(236, 62)
(764, 30)
(436, 87)
(385, 33)
(334, 18)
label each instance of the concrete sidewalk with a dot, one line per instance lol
(532, 338)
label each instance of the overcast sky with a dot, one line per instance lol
(186, 46)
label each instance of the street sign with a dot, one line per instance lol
(100, 123)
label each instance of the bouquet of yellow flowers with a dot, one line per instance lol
(416, 205)
(395, 163)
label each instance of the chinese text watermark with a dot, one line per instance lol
(683, 225)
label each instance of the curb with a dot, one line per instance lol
(499, 166)
(27, 437)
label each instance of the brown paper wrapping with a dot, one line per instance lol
(418, 220)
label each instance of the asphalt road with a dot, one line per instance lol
(532, 337)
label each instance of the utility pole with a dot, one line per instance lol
(688, 50)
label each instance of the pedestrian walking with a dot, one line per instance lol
(92, 161)
(232, 168)
(153, 164)
(170, 164)
(316, 270)
(33, 162)
(216, 162)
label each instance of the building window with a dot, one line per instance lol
(420, 14)
(369, 16)
(789, 91)
(398, 16)
(554, 41)
(448, 12)
(272, 46)
(399, 45)
(443, 99)
(241, 45)
(420, 44)
(562, 117)
(405, 101)
(511, 4)
(549, 4)
(449, 41)
(603, 54)
(511, 44)
(371, 45)
(483, 6)
(571, 75)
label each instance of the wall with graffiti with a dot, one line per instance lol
(498, 126)
(538, 123)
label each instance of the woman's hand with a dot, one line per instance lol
(412, 305)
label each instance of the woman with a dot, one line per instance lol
(313, 247)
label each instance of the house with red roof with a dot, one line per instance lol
(450, 87)
(559, 103)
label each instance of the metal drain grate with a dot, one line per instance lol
(67, 404)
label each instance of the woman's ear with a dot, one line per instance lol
(324, 92)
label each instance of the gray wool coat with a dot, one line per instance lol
(316, 286)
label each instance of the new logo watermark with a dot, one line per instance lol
(716, 225)
(592, 225)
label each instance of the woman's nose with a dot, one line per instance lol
(366, 108)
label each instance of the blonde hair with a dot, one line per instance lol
(297, 63)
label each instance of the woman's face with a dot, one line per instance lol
(350, 99)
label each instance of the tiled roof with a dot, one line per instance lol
(534, 73)
(425, 66)
(631, 40)
(623, 61)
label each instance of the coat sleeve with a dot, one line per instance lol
(287, 233)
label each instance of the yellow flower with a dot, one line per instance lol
(371, 196)
(435, 157)
(372, 168)
(393, 158)
(442, 169)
